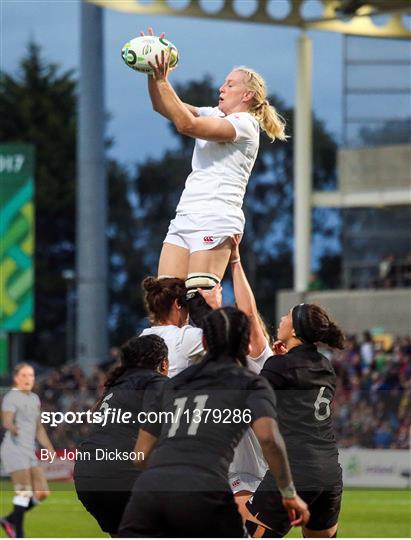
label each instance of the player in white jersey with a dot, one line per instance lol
(21, 420)
(197, 246)
(166, 305)
(248, 467)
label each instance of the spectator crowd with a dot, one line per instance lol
(372, 406)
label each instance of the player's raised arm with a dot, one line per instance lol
(155, 96)
(185, 119)
(245, 300)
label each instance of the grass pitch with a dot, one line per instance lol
(365, 513)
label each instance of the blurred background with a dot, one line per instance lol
(90, 178)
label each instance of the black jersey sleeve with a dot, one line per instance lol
(152, 406)
(274, 371)
(261, 400)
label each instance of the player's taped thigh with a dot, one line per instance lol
(201, 280)
(197, 306)
(23, 494)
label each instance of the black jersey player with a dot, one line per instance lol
(105, 471)
(185, 491)
(304, 383)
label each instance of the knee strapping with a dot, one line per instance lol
(197, 306)
(200, 280)
(23, 495)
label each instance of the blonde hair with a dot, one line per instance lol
(265, 330)
(266, 115)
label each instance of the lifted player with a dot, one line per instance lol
(197, 246)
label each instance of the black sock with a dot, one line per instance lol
(16, 518)
(33, 502)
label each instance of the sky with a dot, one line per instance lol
(205, 47)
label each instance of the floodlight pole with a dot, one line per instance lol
(91, 260)
(303, 166)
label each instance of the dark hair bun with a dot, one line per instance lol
(152, 285)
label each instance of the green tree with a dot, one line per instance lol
(38, 106)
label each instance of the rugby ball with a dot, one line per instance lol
(138, 52)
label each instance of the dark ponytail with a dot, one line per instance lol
(227, 333)
(144, 351)
(160, 295)
(312, 324)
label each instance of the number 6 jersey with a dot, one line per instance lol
(304, 382)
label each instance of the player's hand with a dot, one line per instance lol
(297, 511)
(213, 297)
(279, 347)
(150, 32)
(162, 66)
(235, 246)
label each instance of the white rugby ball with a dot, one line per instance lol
(139, 51)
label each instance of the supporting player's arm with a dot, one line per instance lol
(245, 299)
(42, 437)
(7, 418)
(275, 453)
(143, 447)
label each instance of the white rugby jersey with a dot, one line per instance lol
(26, 409)
(248, 464)
(220, 170)
(184, 344)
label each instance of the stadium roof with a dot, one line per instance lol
(355, 17)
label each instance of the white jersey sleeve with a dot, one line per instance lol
(245, 125)
(257, 364)
(208, 111)
(191, 344)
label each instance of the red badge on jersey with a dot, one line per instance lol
(208, 239)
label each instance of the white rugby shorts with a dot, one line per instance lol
(198, 232)
(14, 458)
(243, 482)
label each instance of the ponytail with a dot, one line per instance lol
(270, 121)
(266, 115)
(312, 324)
